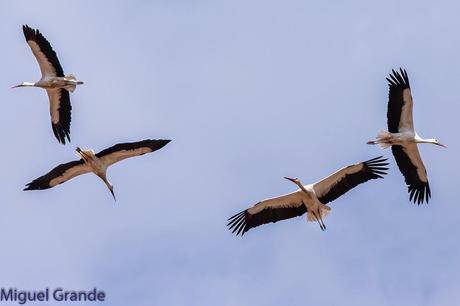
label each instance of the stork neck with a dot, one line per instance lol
(302, 187)
(103, 177)
(106, 181)
(421, 140)
(108, 184)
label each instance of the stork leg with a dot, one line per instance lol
(317, 219)
(321, 218)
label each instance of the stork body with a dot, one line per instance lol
(315, 209)
(68, 83)
(386, 139)
(403, 139)
(310, 199)
(95, 163)
(53, 80)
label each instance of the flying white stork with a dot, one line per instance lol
(403, 139)
(310, 199)
(57, 85)
(96, 163)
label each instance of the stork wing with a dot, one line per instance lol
(44, 53)
(399, 113)
(411, 166)
(60, 111)
(59, 175)
(266, 211)
(347, 178)
(129, 149)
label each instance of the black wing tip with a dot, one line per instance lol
(420, 193)
(35, 185)
(61, 133)
(156, 144)
(161, 141)
(26, 27)
(376, 159)
(29, 33)
(398, 78)
(377, 166)
(238, 223)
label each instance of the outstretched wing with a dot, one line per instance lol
(121, 151)
(266, 211)
(60, 111)
(44, 53)
(59, 175)
(399, 113)
(347, 178)
(412, 168)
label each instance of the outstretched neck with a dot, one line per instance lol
(25, 84)
(429, 140)
(302, 187)
(108, 184)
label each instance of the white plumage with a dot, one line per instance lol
(96, 163)
(53, 80)
(310, 199)
(403, 139)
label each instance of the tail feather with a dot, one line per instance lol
(71, 88)
(73, 81)
(383, 139)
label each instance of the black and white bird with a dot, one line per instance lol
(57, 84)
(310, 199)
(403, 139)
(96, 163)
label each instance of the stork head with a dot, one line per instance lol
(294, 180)
(111, 191)
(20, 85)
(24, 84)
(110, 186)
(436, 142)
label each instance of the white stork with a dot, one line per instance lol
(96, 163)
(57, 85)
(403, 139)
(310, 199)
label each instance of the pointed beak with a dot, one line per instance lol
(440, 144)
(17, 86)
(113, 194)
(290, 179)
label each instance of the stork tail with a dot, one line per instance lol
(70, 88)
(73, 84)
(383, 139)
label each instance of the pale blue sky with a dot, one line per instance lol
(249, 92)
